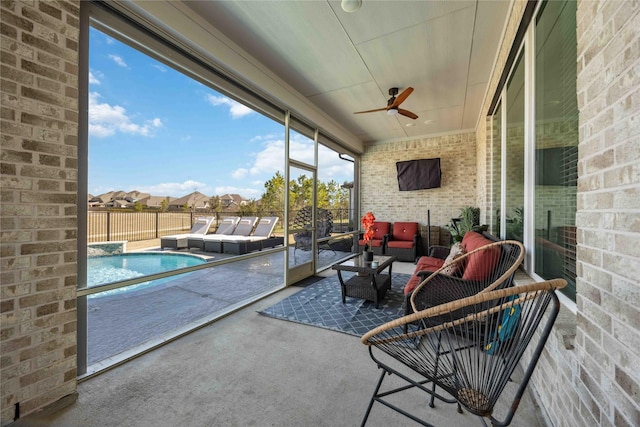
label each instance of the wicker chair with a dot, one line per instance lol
(404, 241)
(468, 347)
(486, 268)
(324, 227)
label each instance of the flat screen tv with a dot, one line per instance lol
(418, 174)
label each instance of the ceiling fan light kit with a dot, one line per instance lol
(394, 102)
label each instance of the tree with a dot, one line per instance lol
(249, 208)
(273, 198)
(323, 197)
(164, 205)
(330, 195)
(137, 206)
(215, 204)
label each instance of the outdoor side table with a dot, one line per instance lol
(370, 284)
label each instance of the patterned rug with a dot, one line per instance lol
(320, 304)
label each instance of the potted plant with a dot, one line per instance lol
(367, 227)
(469, 220)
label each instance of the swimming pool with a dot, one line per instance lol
(115, 268)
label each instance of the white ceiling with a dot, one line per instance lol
(345, 62)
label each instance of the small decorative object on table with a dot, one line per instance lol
(367, 226)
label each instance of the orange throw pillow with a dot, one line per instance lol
(480, 266)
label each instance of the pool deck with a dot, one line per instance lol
(122, 324)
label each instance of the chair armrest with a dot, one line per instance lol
(437, 251)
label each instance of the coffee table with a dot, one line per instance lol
(370, 284)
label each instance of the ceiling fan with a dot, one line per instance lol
(394, 102)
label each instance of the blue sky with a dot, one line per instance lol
(155, 130)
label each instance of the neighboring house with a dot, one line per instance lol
(102, 200)
(121, 204)
(117, 199)
(94, 201)
(137, 195)
(232, 202)
(155, 202)
(195, 200)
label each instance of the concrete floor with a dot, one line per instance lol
(250, 370)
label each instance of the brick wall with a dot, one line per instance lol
(608, 219)
(594, 378)
(39, 115)
(379, 187)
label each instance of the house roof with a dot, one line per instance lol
(196, 199)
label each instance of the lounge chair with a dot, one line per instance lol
(260, 239)
(227, 226)
(213, 242)
(177, 241)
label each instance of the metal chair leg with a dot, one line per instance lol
(373, 398)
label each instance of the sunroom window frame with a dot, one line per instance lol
(527, 47)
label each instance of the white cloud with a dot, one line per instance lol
(239, 173)
(270, 159)
(118, 60)
(106, 119)
(100, 131)
(301, 148)
(160, 68)
(247, 193)
(177, 189)
(330, 166)
(93, 80)
(236, 109)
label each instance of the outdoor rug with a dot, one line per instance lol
(320, 304)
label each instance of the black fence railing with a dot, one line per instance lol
(109, 226)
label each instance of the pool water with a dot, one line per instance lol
(115, 268)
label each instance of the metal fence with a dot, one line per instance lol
(108, 226)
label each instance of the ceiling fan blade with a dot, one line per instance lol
(371, 111)
(400, 99)
(407, 113)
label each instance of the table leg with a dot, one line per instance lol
(375, 288)
(342, 287)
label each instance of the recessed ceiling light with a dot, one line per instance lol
(409, 125)
(351, 5)
(427, 122)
